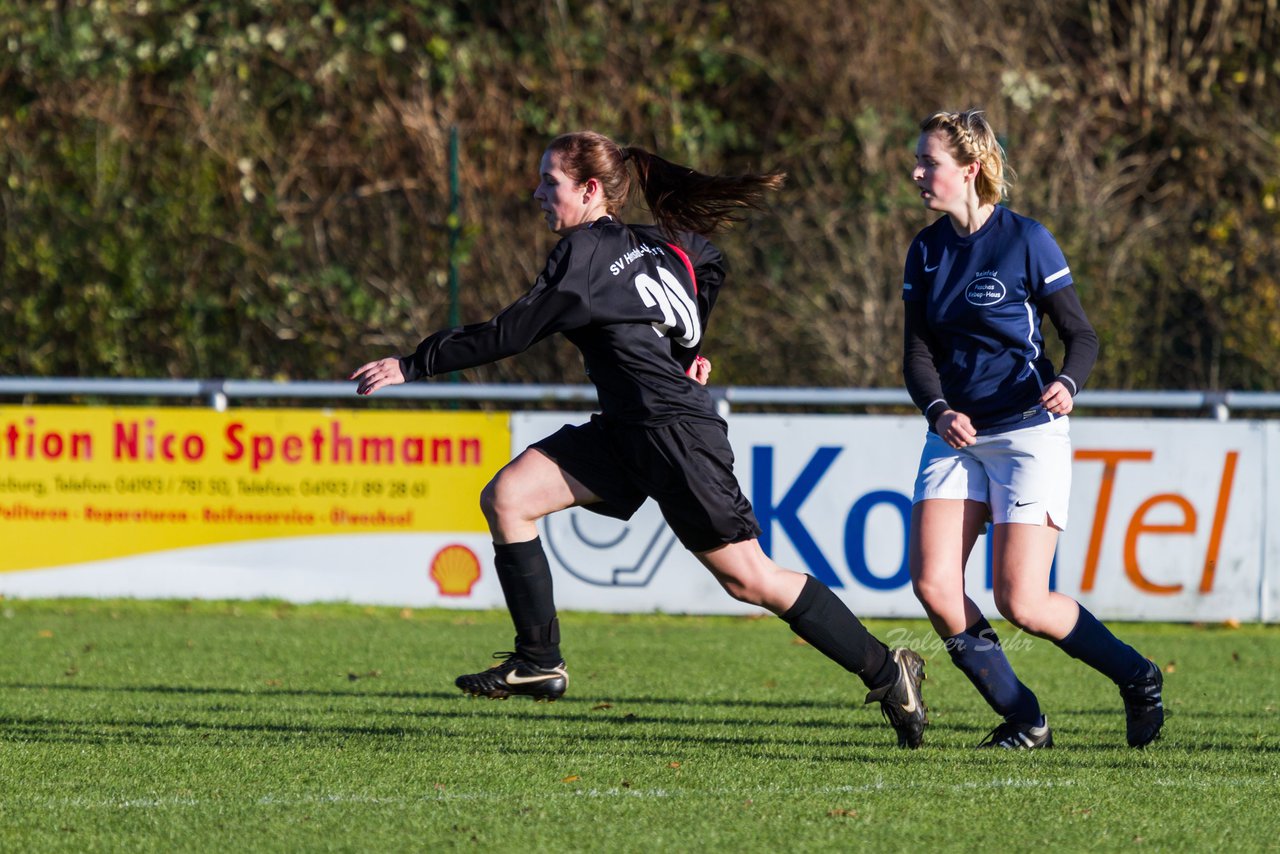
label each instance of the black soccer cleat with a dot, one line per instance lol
(1143, 707)
(1015, 735)
(900, 700)
(516, 676)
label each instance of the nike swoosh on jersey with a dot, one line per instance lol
(928, 269)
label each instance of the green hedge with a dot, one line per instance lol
(260, 189)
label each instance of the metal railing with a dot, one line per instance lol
(219, 392)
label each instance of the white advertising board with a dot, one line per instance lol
(1270, 548)
(1169, 519)
(1166, 520)
(412, 570)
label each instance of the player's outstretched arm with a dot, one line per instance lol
(374, 375)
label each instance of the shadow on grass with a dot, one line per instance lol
(607, 717)
(859, 737)
(541, 736)
(857, 742)
(855, 700)
(611, 710)
(206, 690)
(1117, 747)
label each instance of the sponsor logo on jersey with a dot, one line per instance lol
(985, 290)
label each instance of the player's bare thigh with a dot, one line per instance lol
(749, 575)
(526, 489)
(943, 534)
(1022, 560)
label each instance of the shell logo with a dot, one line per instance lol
(455, 570)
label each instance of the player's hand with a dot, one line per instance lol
(374, 375)
(955, 429)
(1057, 399)
(700, 370)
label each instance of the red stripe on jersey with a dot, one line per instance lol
(688, 265)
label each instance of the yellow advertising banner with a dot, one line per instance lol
(81, 484)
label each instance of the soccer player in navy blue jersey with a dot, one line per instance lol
(635, 299)
(976, 285)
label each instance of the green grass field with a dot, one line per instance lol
(165, 726)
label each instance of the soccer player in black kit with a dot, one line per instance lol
(634, 299)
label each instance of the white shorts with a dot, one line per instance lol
(1022, 475)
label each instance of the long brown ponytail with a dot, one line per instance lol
(683, 198)
(680, 198)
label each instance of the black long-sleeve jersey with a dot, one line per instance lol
(631, 300)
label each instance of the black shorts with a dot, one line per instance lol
(686, 466)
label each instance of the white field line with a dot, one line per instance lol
(443, 795)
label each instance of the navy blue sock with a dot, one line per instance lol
(525, 576)
(978, 654)
(1093, 643)
(830, 627)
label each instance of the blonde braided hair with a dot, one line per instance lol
(970, 139)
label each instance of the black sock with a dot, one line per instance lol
(525, 576)
(830, 627)
(1093, 643)
(978, 654)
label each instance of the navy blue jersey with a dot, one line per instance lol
(632, 301)
(981, 296)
